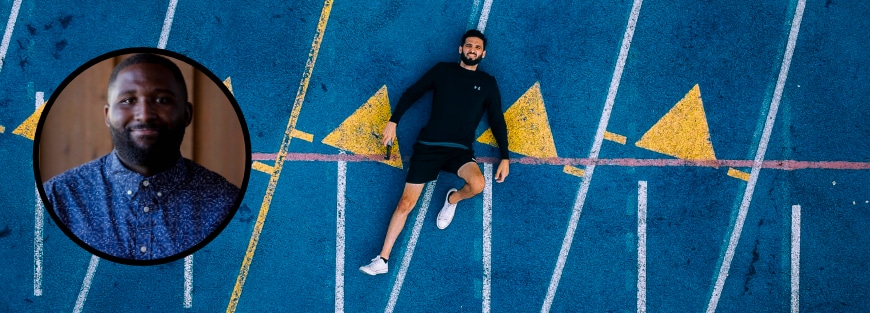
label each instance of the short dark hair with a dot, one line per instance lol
(473, 33)
(149, 58)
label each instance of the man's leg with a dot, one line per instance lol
(400, 215)
(397, 222)
(474, 183)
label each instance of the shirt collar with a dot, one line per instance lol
(127, 180)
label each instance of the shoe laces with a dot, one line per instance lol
(376, 261)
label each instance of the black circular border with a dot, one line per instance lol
(242, 189)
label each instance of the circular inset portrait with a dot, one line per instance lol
(143, 156)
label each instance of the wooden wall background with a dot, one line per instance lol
(74, 131)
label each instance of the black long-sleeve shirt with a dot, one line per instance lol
(459, 98)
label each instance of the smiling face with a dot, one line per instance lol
(472, 51)
(147, 113)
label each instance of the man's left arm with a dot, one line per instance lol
(499, 131)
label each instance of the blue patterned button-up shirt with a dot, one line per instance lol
(124, 214)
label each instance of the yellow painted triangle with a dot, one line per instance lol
(27, 129)
(683, 132)
(528, 127)
(361, 132)
(229, 83)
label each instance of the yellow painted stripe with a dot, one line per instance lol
(303, 135)
(2, 129)
(614, 137)
(738, 174)
(263, 167)
(279, 160)
(568, 169)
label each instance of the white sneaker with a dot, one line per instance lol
(377, 266)
(446, 214)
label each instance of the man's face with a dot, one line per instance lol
(471, 52)
(147, 113)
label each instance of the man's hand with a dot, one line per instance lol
(503, 170)
(389, 133)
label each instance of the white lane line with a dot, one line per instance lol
(188, 261)
(7, 35)
(484, 15)
(641, 246)
(37, 246)
(475, 7)
(409, 251)
(593, 154)
(38, 225)
(339, 236)
(167, 24)
(759, 159)
(86, 284)
(795, 257)
(188, 281)
(487, 236)
(40, 100)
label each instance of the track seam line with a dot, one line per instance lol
(282, 153)
(759, 159)
(593, 155)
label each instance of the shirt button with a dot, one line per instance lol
(143, 249)
(145, 183)
(146, 209)
(129, 192)
(159, 194)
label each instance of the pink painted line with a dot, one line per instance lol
(318, 157)
(769, 164)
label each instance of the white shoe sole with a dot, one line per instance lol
(371, 272)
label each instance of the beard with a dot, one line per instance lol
(162, 153)
(469, 62)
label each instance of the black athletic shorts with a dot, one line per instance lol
(428, 160)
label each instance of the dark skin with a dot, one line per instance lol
(147, 113)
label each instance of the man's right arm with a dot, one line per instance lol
(415, 92)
